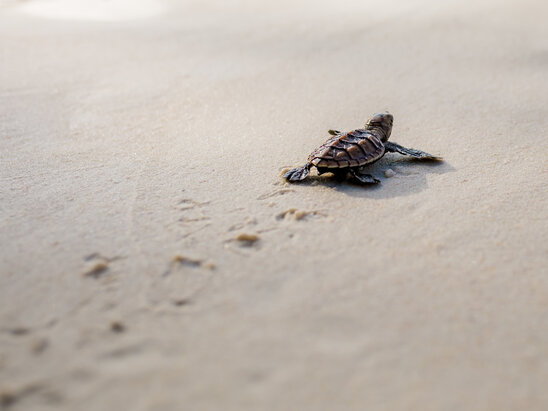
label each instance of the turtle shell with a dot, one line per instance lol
(352, 149)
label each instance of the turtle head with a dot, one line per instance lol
(383, 121)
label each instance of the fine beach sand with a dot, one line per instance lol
(138, 144)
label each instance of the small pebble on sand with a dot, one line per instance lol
(389, 173)
(247, 239)
(97, 270)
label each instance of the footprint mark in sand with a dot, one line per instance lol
(123, 351)
(251, 221)
(9, 397)
(192, 210)
(299, 215)
(100, 266)
(275, 193)
(193, 218)
(180, 261)
(180, 284)
(98, 256)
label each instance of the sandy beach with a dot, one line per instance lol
(138, 142)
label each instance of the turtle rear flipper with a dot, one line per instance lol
(396, 148)
(363, 177)
(297, 174)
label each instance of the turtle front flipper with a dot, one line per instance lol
(362, 177)
(334, 132)
(396, 148)
(297, 174)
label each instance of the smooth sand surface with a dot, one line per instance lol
(133, 153)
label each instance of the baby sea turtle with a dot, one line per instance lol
(347, 153)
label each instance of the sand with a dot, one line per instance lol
(138, 145)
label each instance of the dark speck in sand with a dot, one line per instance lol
(192, 262)
(181, 302)
(39, 345)
(19, 331)
(7, 398)
(117, 327)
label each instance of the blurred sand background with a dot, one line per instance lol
(137, 141)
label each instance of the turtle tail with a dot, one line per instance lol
(297, 174)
